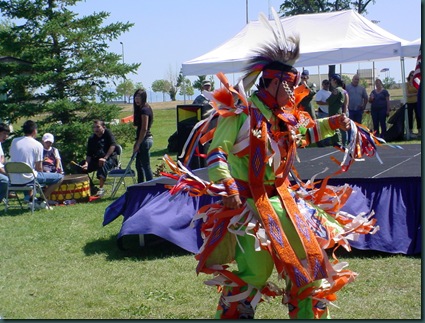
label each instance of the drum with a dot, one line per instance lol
(73, 187)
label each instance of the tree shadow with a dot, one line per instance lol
(160, 153)
(16, 211)
(127, 247)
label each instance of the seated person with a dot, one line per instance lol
(4, 180)
(51, 157)
(101, 155)
(28, 150)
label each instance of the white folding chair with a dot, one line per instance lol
(32, 186)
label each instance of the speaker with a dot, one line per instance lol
(188, 115)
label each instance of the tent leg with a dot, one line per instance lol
(141, 240)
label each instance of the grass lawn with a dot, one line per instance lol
(62, 264)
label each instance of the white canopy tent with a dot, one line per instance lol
(326, 38)
(411, 48)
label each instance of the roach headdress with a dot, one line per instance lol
(276, 58)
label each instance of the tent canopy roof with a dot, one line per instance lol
(325, 39)
(411, 48)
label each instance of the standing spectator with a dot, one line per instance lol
(346, 99)
(344, 134)
(201, 99)
(323, 111)
(380, 108)
(306, 101)
(142, 119)
(51, 157)
(336, 103)
(321, 96)
(28, 150)
(4, 180)
(358, 99)
(412, 105)
(101, 155)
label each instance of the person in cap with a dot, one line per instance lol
(305, 103)
(51, 158)
(261, 221)
(206, 110)
(201, 98)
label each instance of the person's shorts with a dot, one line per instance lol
(48, 178)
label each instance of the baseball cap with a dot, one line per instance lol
(305, 73)
(204, 83)
(48, 137)
(336, 77)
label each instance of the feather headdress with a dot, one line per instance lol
(278, 55)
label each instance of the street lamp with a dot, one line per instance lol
(123, 79)
(93, 89)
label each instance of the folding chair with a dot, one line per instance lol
(121, 174)
(32, 186)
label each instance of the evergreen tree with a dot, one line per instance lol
(70, 67)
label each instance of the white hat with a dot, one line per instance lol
(48, 137)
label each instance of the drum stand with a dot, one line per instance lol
(127, 172)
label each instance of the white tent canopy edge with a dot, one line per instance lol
(353, 39)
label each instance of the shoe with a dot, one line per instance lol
(12, 195)
(28, 199)
(38, 205)
(41, 205)
(100, 192)
(52, 203)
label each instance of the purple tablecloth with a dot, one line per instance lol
(396, 202)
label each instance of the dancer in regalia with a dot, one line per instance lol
(263, 222)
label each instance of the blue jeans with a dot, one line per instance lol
(356, 115)
(143, 163)
(379, 118)
(93, 166)
(3, 186)
(48, 178)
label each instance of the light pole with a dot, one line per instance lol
(123, 79)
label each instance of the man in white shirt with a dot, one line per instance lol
(27, 149)
(321, 96)
(4, 180)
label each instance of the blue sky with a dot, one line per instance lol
(169, 32)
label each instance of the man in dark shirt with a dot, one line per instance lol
(101, 156)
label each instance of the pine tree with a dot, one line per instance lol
(64, 85)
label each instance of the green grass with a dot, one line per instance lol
(62, 264)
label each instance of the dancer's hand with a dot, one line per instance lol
(344, 122)
(232, 202)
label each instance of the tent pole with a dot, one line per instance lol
(320, 77)
(246, 9)
(403, 84)
(184, 89)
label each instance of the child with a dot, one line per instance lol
(51, 158)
